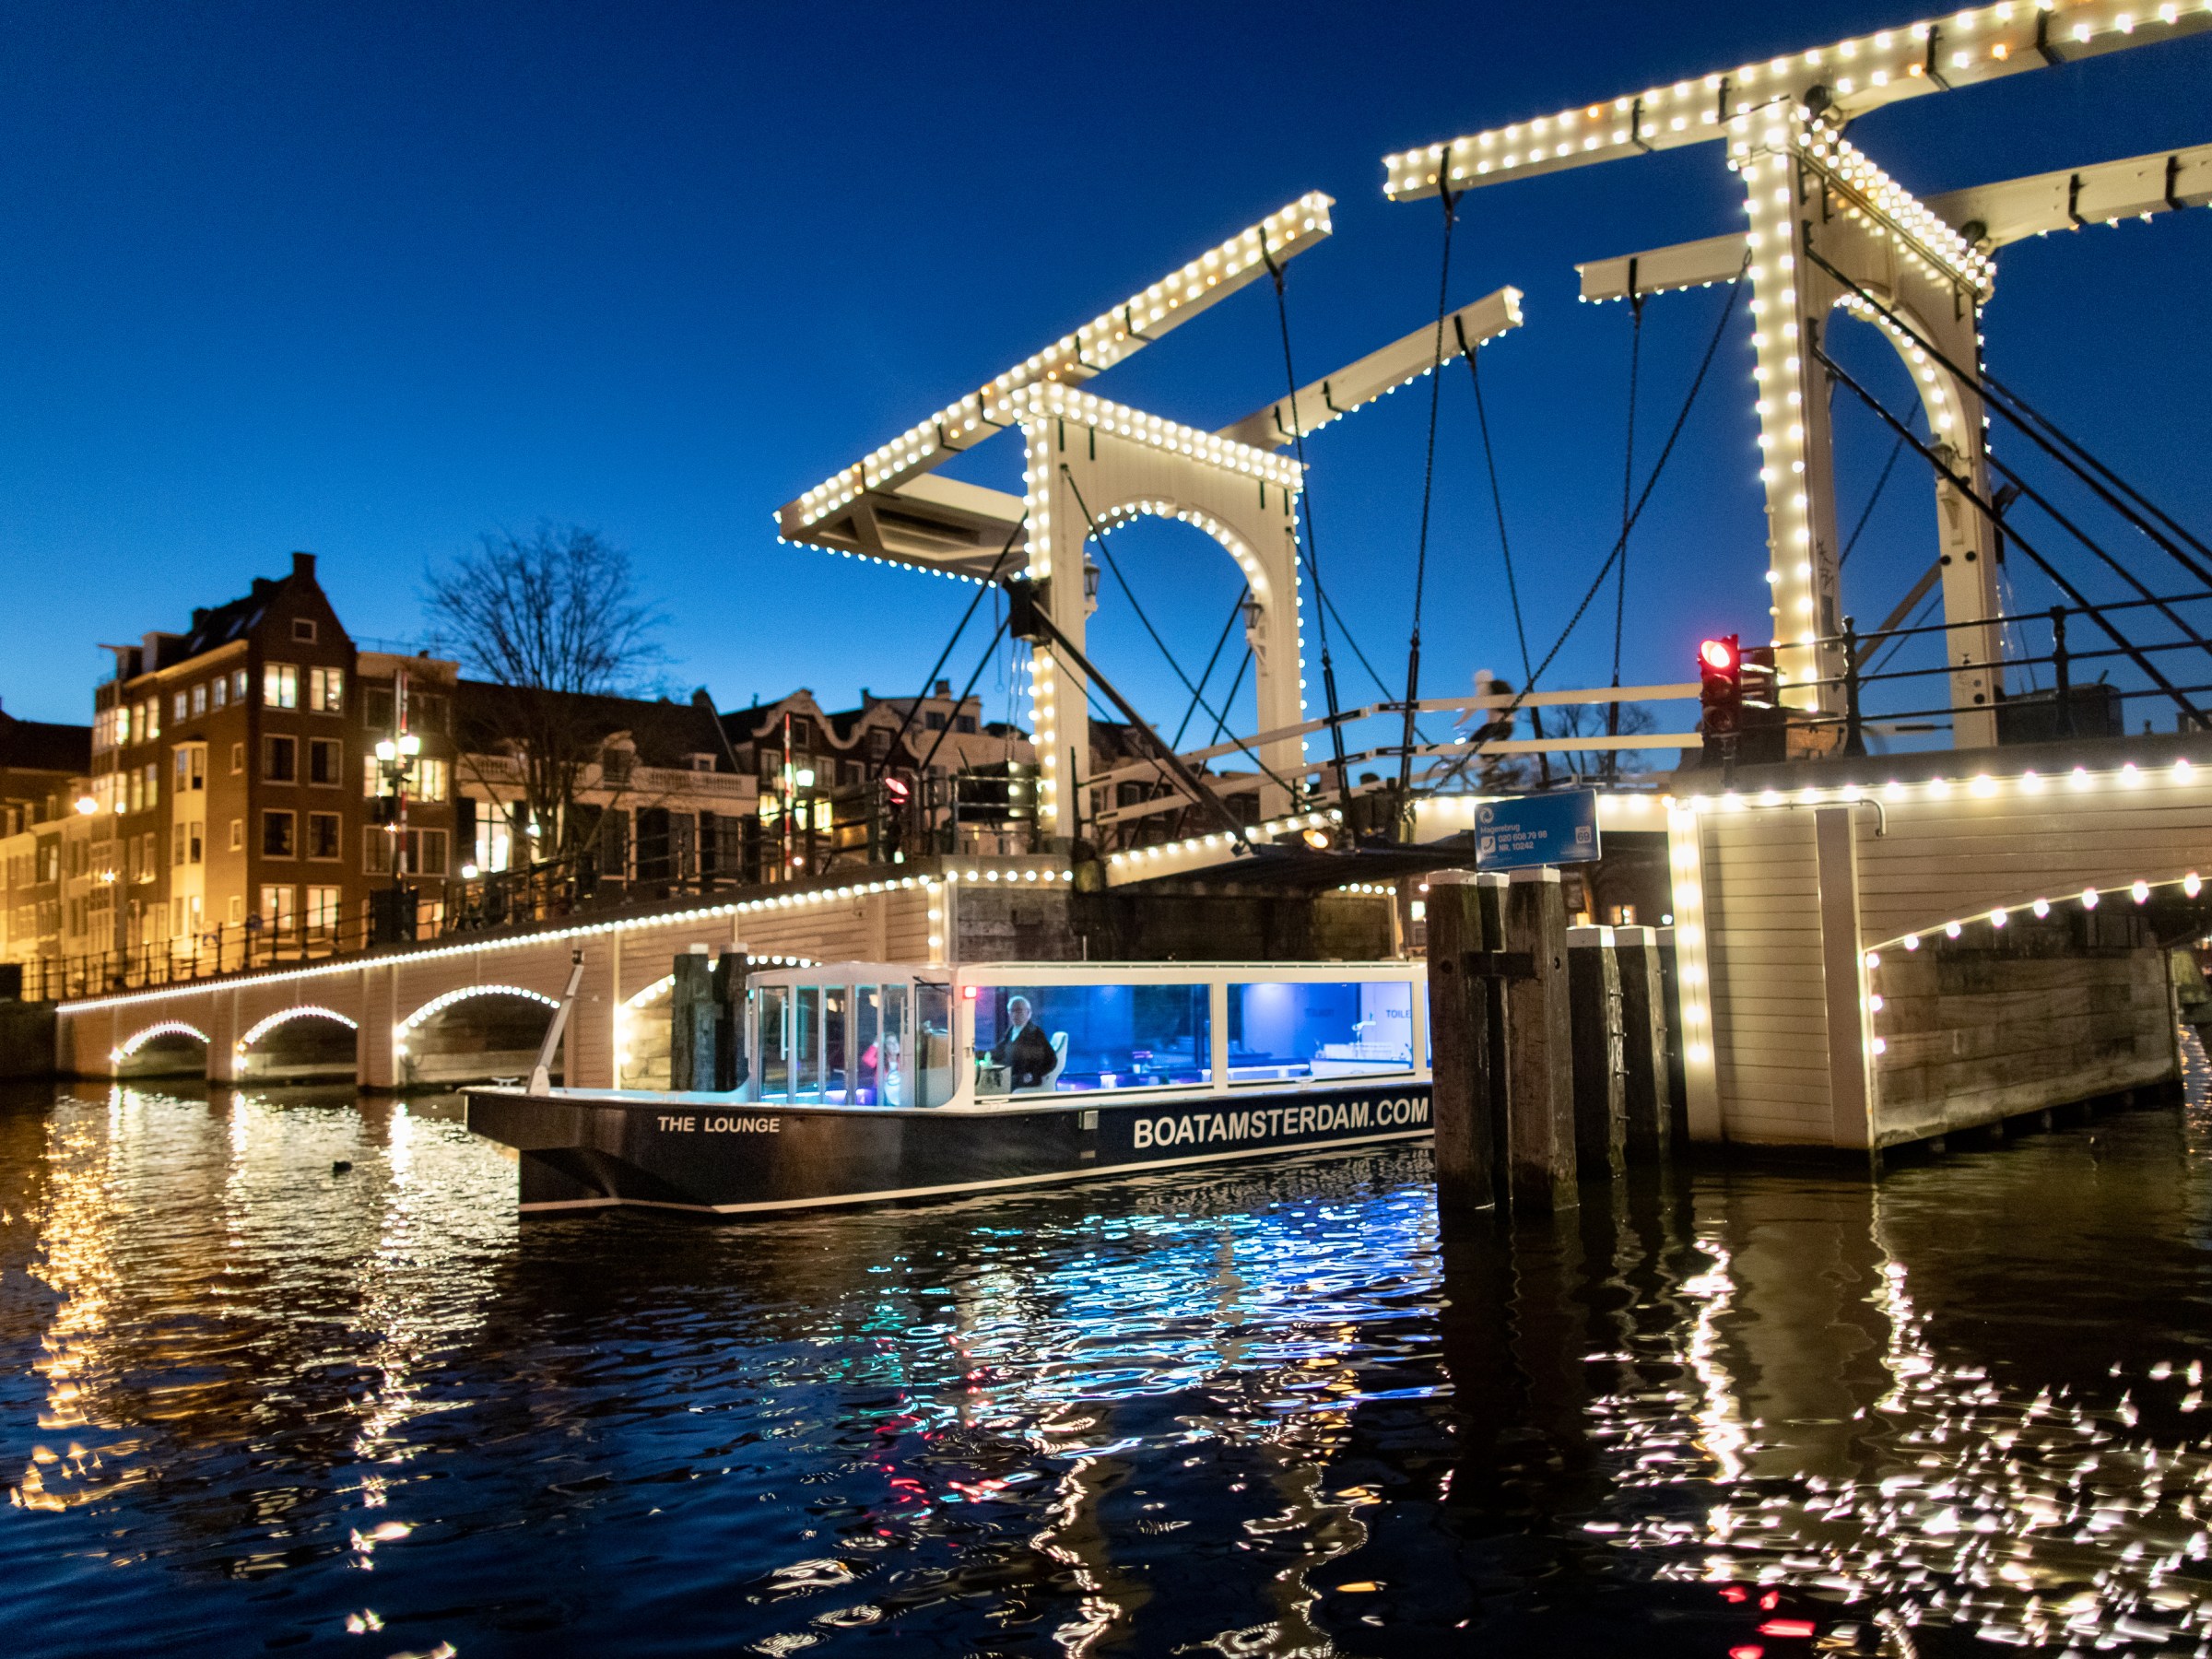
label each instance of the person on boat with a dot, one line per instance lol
(1024, 1051)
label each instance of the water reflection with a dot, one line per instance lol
(282, 1367)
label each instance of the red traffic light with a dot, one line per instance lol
(1719, 654)
(895, 788)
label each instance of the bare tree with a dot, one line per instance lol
(1588, 720)
(553, 622)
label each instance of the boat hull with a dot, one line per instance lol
(581, 1151)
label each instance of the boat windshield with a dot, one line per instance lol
(1073, 1039)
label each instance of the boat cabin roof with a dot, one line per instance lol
(1079, 973)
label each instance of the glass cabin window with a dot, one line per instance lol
(836, 1071)
(1340, 1029)
(932, 1045)
(893, 1073)
(807, 1043)
(1073, 1038)
(774, 1041)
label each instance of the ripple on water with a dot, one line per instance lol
(251, 1399)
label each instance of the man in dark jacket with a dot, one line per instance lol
(1024, 1051)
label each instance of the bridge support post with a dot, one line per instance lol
(1646, 1049)
(1600, 1065)
(1465, 1025)
(375, 1059)
(224, 1062)
(1539, 1076)
(1843, 965)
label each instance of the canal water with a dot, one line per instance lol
(282, 1370)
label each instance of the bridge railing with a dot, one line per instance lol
(2086, 645)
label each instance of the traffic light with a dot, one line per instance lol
(1721, 689)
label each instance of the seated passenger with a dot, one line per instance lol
(1024, 1051)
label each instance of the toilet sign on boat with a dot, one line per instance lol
(1528, 830)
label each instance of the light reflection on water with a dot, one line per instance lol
(251, 1398)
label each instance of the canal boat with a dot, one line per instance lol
(872, 1083)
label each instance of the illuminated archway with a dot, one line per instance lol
(167, 1028)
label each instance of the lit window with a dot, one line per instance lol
(1040, 1039)
(179, 705)
(430, 779)
(277, 907)
(199, 698)
(238, 685)
(323, 910)
(218, 692)
(281, 686)
(326, 690)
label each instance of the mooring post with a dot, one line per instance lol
(1644, 1038)
(691, 1022)
(1601, 1112)
(1464, 1098)
(1539, 1067)
(1670, 1004)
(730, 971)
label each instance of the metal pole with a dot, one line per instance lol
(2059, 666)
(1854, 733)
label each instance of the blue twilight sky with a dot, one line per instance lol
(368, 280)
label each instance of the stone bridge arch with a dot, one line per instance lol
(158, 1036)
(253, 1053)
(426, 1051)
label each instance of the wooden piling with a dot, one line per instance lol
(1600, 1066)
(1539, 1070)
(1645, 1044)
(1464, 1099)
(691, 1020)
(731, 970)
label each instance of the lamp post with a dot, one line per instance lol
(395, 761)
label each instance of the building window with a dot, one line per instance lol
(322, 835)
(176, 850)
(303, 629)
(179, 705)
(238, 835)
(373, 778)
(199, 698)
(326, 690)
(432, 779)
(933, 721)
(280, 759)
(424, 853)
(376, 708)
(426, 711)
(325, 760)
(966, 723)
(237, 909)
(279, 834)
(238, 759)
(281, 686)
(238, 685)
(219, 691)
(191, 768)
(323, 910)
(150, 720)
(276, 908)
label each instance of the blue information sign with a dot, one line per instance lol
(1537, 830)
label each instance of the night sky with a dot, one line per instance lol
(369, 281)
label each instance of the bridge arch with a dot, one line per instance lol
(160, 1043)
(304, 1040)
(498, 1038)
